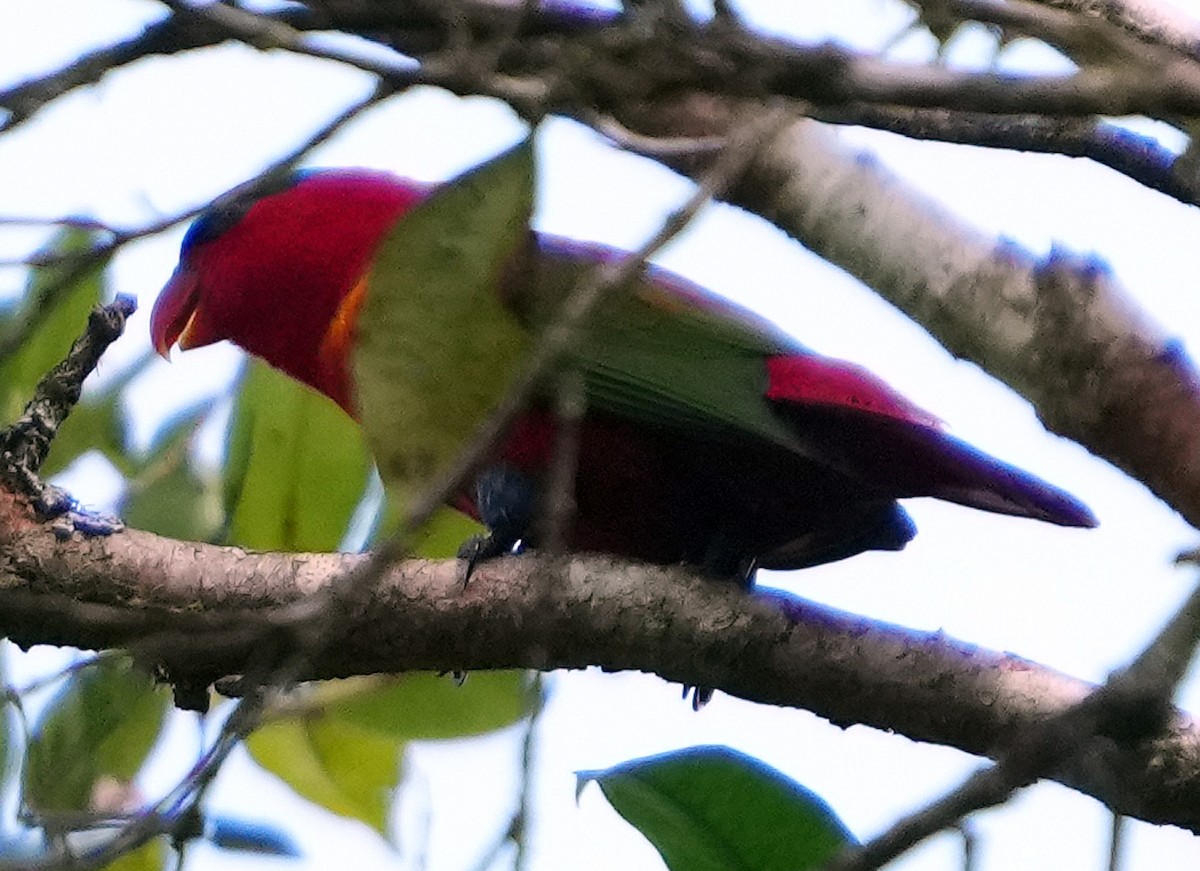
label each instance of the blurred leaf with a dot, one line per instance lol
(440, 538)
(172, 501)
(10, 740)
(97, 422)
(166, 495)
(297, 466)
(423, 706)
(151, 856)
(63, 318)
(444, 534)
(436, 346)
(344, 768)
(103, 723)
(93, 424)
(714, 809)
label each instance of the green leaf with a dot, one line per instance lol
(437, 344)
(94, 424)
(97, 422)
(341, 767)
(61, 311)
(297, 466)
(166, 495)
(342, 747)
(10, 742)
(715, 809)
(440, 538)
(444, 534)
(151, 856)
(101, 724)
(171, 499)
(423, 706)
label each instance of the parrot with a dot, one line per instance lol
(709, 437)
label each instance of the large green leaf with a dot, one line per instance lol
(151, 856)
(715, 809)
(166, 495)
(437, 344)
(440, 538)
(341, 747)
(424, 706)
(97, 422)
(10, 743)
(337, 765)
(94, 424)
(60, 311)
(102, 724)
(297, 466)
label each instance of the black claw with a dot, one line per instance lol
(505, 498)
(701, 696)
(746, 572)
(481, 548)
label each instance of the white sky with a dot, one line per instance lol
(170, 133)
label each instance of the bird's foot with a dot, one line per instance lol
(725, 560)
(25, 444)
(505, 498)
(481, 548)
(56, 506)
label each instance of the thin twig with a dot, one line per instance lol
(162, 817)
(569, 407)
(520, 825)
(969, 847)
(175, 34)
(1116, 841)
(27, 442)
(1131, 706)
(78, 263)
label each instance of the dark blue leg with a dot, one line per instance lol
(506, 499)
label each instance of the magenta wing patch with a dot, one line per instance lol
(813, 380)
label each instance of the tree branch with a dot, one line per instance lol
(202, 611)
(1061, 331)
(1132, 705)
(172, 35)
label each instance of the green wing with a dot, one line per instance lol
(669, 354)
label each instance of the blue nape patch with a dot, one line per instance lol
(229, 208)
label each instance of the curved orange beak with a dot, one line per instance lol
(173, 319)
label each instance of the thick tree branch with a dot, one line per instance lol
(1139, 157)
(169, 36)
(202, 611)
(1159, 23)
(572, 59)
(1133, 703)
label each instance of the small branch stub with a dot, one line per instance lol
(25, 444)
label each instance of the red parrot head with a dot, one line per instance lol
(283, 276)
